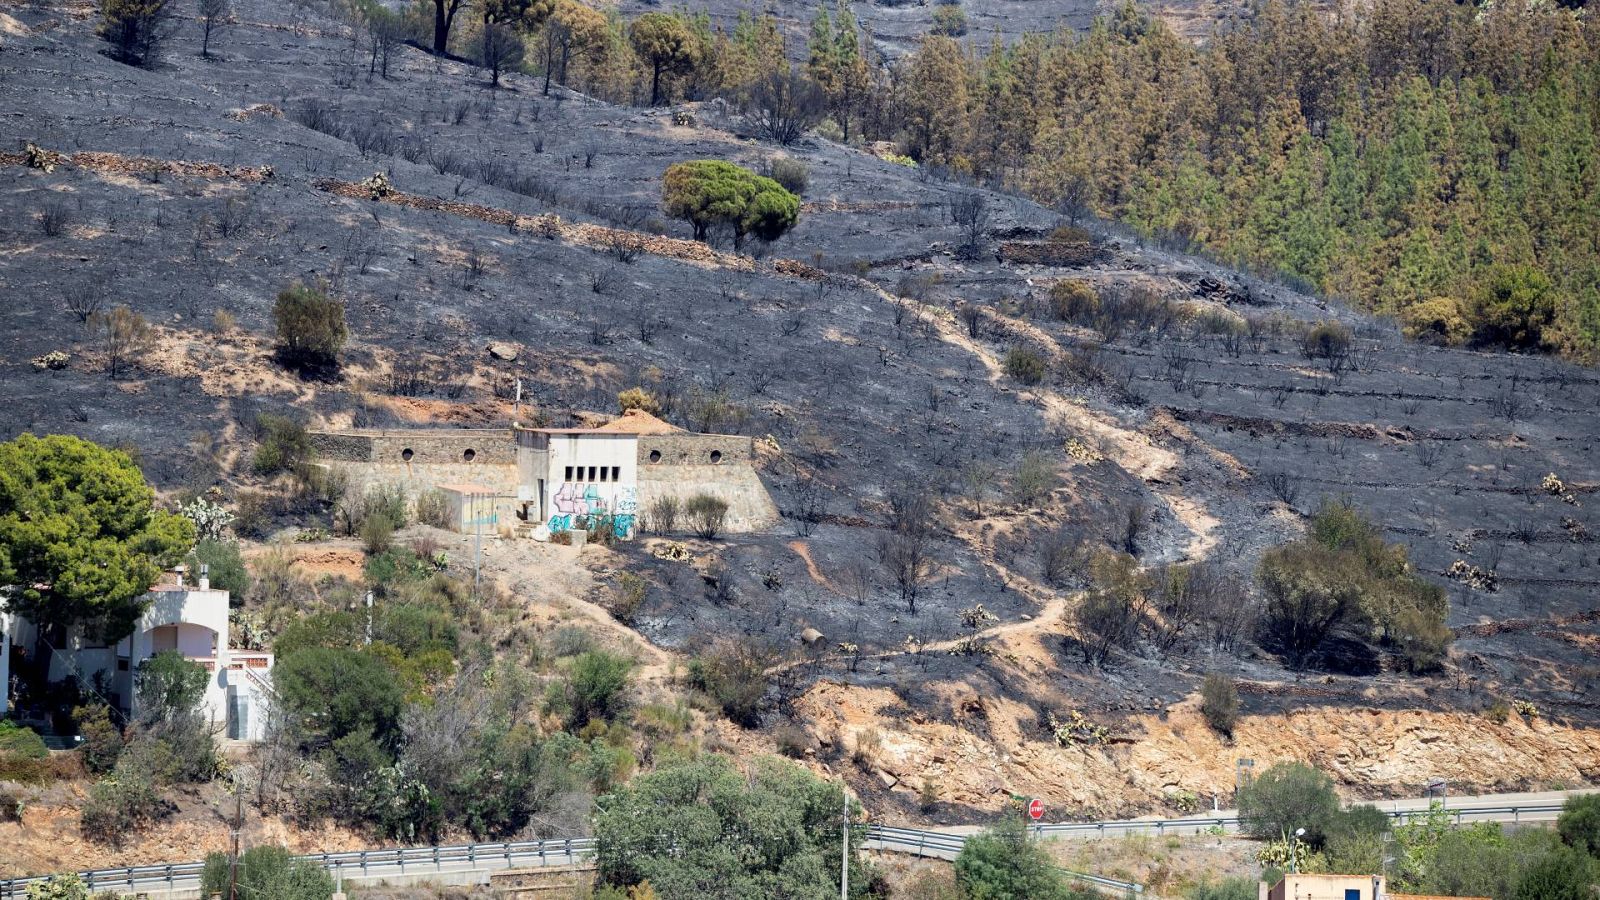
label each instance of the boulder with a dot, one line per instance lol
(504, 352)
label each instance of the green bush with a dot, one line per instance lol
(1343, 574)
(1025, 365)
(1003, 864)
(283, 445)
(597, 687)
(377, 535)
(102, 739)
(224, 566)
(20, 742)
(266, 873)
(59, 887)
(119, 805)
(949, 20)
(671, 827)
(395, 567)
(1564, 874)
(1235, 888)
(1219, 703)
(1288, 796)
(1579, 824)
(137, 30)
(1327, 340)
(310, 325)
(1036, 478)
(1513, 307)
(23, 755)
(335, 692)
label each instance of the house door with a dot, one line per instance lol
(1352, 894)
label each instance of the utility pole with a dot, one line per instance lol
(844, 854)
(477, 549)
(238, 826)
(369, 617)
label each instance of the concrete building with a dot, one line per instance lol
(190, 618)
(1326, 887)
(541, 481)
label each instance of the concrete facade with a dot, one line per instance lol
(579, 479)
(551, 480)
(1325, 887)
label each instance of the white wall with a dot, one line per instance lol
(5, 662)
(590, 491)
(190, 620)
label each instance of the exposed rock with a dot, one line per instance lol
(504, 352)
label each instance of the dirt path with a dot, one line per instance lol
(549, 578)
(1130, 449)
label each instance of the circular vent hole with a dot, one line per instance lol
(655, 456)
(716, 456)
(469, 455)
(406, 454)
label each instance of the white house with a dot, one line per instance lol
(189, 618)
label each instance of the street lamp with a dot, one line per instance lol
(1294, 846)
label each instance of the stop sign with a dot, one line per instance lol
(1036, 809)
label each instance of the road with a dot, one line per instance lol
(1517, 808)
(471, 864)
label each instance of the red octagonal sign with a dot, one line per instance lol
(1036, 809)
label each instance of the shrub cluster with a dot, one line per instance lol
(1343, 576)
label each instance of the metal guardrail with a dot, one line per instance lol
(939, 844)
(508, 854)
(1201, 825)
(399, 861)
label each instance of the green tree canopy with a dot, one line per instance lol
(80, 537)
(337, 692)
(169, 686)
(311, 328)
(705, 829)
(1286, 797)
(1579, 824)
(1001, 864)
(711, 192)
(667, 45)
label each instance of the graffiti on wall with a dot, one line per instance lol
(583, 506)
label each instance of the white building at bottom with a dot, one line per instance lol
(191, 619)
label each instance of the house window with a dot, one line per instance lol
(569, 474)
(616, 473)
(592, 474)
(716, 457)
(604, 471)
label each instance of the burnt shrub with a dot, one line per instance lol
(1074, 301)
(1219, 703)
(734, 674)
(792, 174)
(707, 514)
(137, 30)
